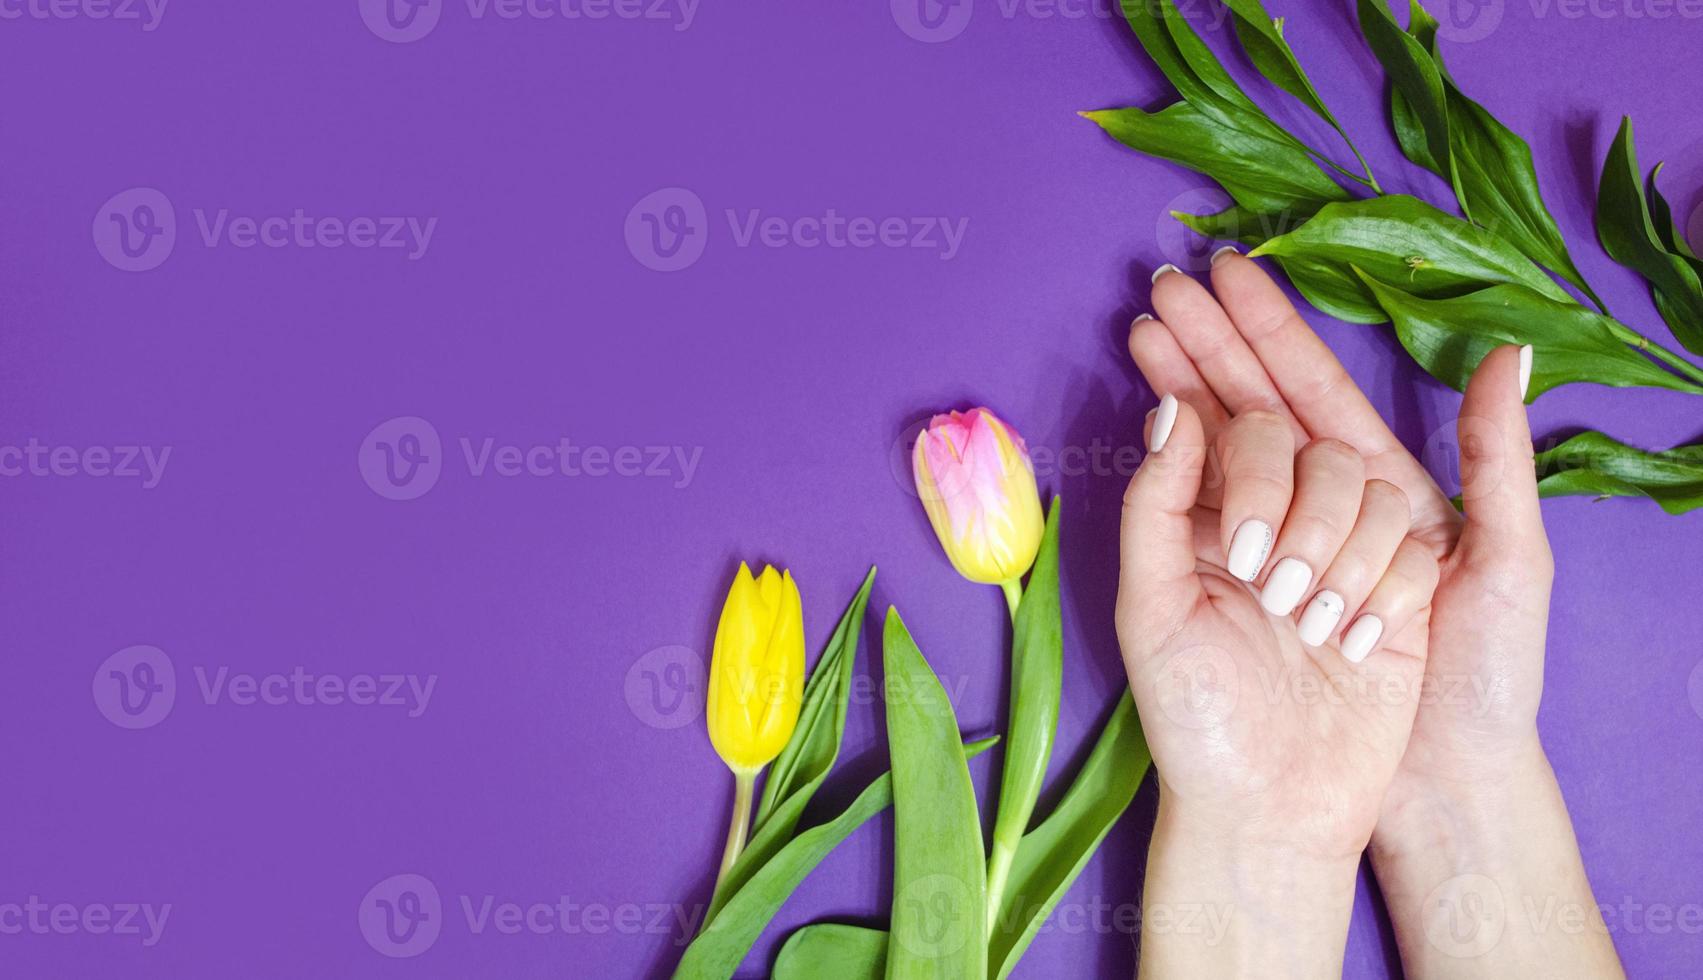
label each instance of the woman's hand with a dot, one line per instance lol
(1472, 824)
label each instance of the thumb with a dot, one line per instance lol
(1498, 479)
(1158, 587)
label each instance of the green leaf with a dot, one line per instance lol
(718, 950)
(1423, 126)
(1594, 464)
(1661, 215)
(1402, 241)
(1332, 289)
(939, 884)
(1262, 39)
(1238, 224)
(828, 949)
(1494, 166)
(1037, 676)
(815, 742)
(1196, 73)
(1449, 337)
(809, 754)
(1266, 176)
(1630, 236)
(1054, 853)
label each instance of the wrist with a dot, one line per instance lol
(1231, 900)
(1453, 801)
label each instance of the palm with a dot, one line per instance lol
(1254, 351)
(1235, 707)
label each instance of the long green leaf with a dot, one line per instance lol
(809, 754)
(718, 950)
(1402, 241)
(1594, 464)
(1037, 677)
(939, 885)
(1262, 39)
(1494, 166)
(1661, 215)
(1449, 337)
(1238, 224)
(1054, 853)
(1415, 79)
(830, 950)
(1630, 236)
(1266, 176)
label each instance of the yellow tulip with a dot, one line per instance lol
(976, 481)
(756, 684)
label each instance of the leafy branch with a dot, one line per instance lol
(1453, 286)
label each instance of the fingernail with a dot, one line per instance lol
(1361, 638)
(1164, 417)
(1249, 547)
(1226, 250)
(1322, 615)
(1285, 586)
(1167, 267)
(1144, 316)
(1525, 370)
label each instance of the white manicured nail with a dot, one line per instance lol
(1163, 419)
(1285, 586)
(1226, 250)
(1525, 370)
(1322, 615)
(1167, 267)
(1362, 637)
(1144, 316)
(1249, 547)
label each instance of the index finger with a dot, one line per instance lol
(1309, 377)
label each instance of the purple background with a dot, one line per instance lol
(541, 769)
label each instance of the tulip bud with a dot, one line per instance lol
(756, 679)
(976, 481)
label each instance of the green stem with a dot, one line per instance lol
(1013, 595)
(743, 785)
(999, 868)
(1632, 338)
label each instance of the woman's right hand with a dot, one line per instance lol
(1473, 824)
